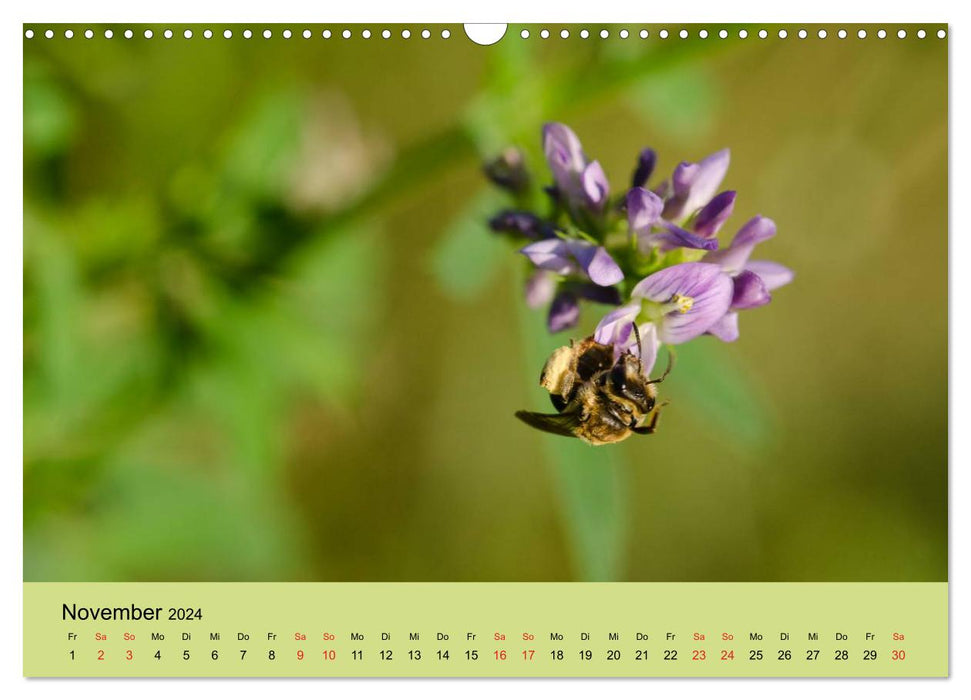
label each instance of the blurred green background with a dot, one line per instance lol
(267, 335)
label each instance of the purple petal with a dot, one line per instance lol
(550, 254)
(714, 214)
(643, 209)
(564, 155)
(540, 288)
(711, 172)
(730, 259)
(772, 273)
(683, 178)
(676, 237)
(700, 294)
(596, 262)
(749, 291)
(726, 328)
(649, 346)
(645, 167)
(733, 258)
(595, 186)
(564, 312)
(695, 184)
(560, 141)
(679, 327)
(755, 230)
(615, 328)
(677, 279)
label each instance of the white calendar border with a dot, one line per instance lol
(823, 11)
(767, 11)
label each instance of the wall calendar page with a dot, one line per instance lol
(474, 351)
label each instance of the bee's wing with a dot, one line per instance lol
(557, 423)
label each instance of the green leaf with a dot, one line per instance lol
(591, 482)
(592, 486)
(720, 393)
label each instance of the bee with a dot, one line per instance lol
(597, 399)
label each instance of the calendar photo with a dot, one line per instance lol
(568, 314)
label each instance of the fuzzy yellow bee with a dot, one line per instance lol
(597, 399)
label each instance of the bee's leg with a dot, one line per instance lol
(650, 427)
(667, 370)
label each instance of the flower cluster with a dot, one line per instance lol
(653, 253)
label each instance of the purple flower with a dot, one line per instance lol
(726, 328)
(749, 291)
(564, 312)
(551, 254)
(508, 170)
(649, 346)
(563, 152)
(675, 305)
(687, 299)
(733, 258)
(595, 186)
(540, 288)
(596, 262)
(774, 274)
(694, 184)
(616, 328)
(714, 214)
(582, 183)
(580, 253)
(570, 257)
(644, 218)
(643, 209)
(645, 167)
(752, 280)
(520, 223)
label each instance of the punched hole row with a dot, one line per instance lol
(724, 34)
(524, 34)
(246, 34)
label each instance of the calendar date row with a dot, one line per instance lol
(501, 655)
